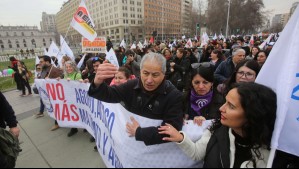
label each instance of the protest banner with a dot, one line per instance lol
(70, 105)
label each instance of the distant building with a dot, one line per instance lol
(48, 22)
(186, 17)
(293, 8)
(13, 38)
(280, 19)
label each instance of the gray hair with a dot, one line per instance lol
(73, 64)
(238, 50)
(154, 57)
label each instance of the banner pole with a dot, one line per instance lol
(271, 158)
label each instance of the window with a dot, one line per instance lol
(2, 46)
(15, 34)
(7, 34)
(23, 34)
(18, 46)
(32, 34)
(10, 46)
(25, 46)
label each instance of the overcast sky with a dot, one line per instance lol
(29, 12)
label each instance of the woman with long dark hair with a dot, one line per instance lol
(241, 137)
(201, 102)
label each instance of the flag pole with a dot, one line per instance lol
(271, 158)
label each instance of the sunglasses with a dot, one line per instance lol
(204, 64)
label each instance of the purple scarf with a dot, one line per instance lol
(199, 102)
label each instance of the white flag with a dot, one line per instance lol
(140, 45)
(145, 44)
(65, 49)
(36, 60)
(111, 56)
(184, 37)
(45, 52)
(195, 38)
(281, 73)
(215, 37)
(54, 51)
(123, 44)
(189, 44)
(263, 45)
(133, 46)
(83, 23)
(81, 62)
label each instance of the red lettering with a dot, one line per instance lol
(60, 91)
(66, 113)
(51, 91)
(57, 112)
(75, 116)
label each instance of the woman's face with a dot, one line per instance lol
(167, 53)
(224, 45)
(179, 54)
(201, 85)
(245, 74)
(120, 78)
(69, 68)
(254, 51)
(232, 113)
(214, 56)
(261, 59)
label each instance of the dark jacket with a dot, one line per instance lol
(179, 77)
(209, 112)
(7, 114)
(224, 71)
(164, 104)
(219, 61)
(218, 149)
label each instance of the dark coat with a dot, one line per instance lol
(163, 104)
(54, 73)
(180, 76)
(7, 114)
(224, 71)
(218, 149)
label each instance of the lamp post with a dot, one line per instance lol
(227, 18)
(162, 20)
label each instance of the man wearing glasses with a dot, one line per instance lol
(150, 96)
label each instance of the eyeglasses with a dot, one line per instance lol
(246, 74)
(204, 64)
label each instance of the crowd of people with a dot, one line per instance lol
(169, 82)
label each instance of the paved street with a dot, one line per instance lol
(49, 149)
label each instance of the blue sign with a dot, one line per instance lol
(296, 89)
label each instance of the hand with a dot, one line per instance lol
(68, 79)
(174, 135)
(172, 64)
(171, 70)
(131, 128)
(104, 71)
(199, 120)
(15, 131)
(86, 81)
(58, 78)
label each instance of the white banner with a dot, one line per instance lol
(282, 75)
(70, 105)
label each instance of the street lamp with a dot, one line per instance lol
(227, 17)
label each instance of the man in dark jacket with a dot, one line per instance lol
(7, 118)
(150, 96)
(227, 68)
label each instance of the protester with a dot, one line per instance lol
(179, 70)
(24, 73)
(202, 103)
(7, 118)
(17, 76)
(48, 72)
(150, 96)
(241, 138)
(253, 54)
(262, 57)
(226, 68)
(63, 61)
(216, 58)
(122, 76)
(246, 71)
(133, 62)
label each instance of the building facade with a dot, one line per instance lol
(280, 19)
(132, 20)
(15, 38)
(186, 17)
(48, 23)
(294, 6)
(162, 17)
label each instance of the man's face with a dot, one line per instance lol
(240, 56)
(42, 63)
(240, 43)
(95, 66)
(152, 76)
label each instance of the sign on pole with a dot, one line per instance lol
(97, 46)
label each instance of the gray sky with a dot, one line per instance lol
(29, 12)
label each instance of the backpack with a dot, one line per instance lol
(9, 148)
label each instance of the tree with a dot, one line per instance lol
(245, 16)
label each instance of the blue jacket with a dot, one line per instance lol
(224, 71)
